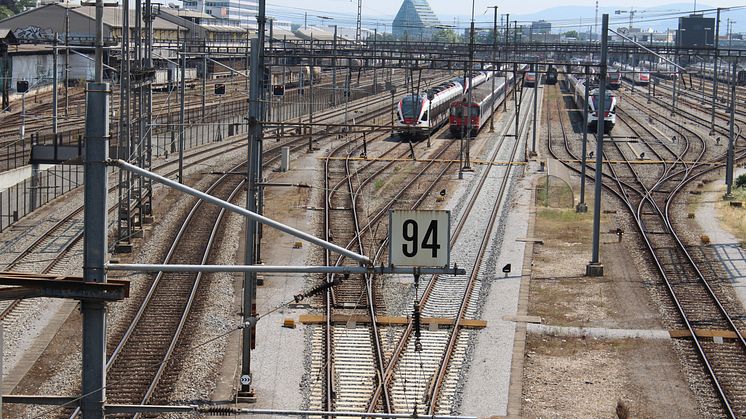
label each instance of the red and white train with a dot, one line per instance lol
(471, 116)
(609, 114)
(419, 114)
(636, 75)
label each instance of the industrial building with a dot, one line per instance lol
(696, 31)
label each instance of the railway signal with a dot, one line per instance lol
(220, 89)
(278, 90)
(22, 86)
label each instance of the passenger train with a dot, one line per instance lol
(614, 79)
(578, 89)
(724, 72)
(483, 101)
(530, 80)
(551, 75)
(418, 114)
(660, 70)
(636, 75)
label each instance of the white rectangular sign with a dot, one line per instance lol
(419, 238)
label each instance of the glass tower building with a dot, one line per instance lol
(415, 20)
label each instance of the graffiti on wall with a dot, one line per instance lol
(34, 32)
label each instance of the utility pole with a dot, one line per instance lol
(95, 231)
(595, 268)
(582, 207)
(731, 134)
(467, 162)
(595, 23)
(310, 100)
(494, 65)
(67, 56)
(715, 72)
(182, 65)
(256, 113)
(124, 192)
(359, 28)
(505, 90)
(536, 107)
(334, 68)
(54, 86)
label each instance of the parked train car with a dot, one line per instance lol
(614, 79)
(636, 75)
(418, 114)
(551, 75)
(723, 73)
(661, 70)
(577, 86)
(479, 110)
(169, 78)
(530, 79)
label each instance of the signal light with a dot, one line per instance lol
(278, 90)
(220, 89)
(22, 86)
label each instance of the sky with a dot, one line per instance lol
(344, 12)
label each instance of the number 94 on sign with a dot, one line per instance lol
(419, 238)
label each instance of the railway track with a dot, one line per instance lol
(364, 342)
(649, 198)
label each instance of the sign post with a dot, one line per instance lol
(419, 239)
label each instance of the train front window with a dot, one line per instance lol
(410, 107)
(607, 102)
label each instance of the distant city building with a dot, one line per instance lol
(283, 25)
(696, 31)
(227, 12)
(415, 20)
(541, 26)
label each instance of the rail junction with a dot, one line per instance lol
(236, 249)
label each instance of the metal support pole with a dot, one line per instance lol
(675, 91)
(467, 160)
(375, 72)
(582, 206)
(714, 73)
(67, 57)
(182, 105)
(95, 236)
(731, 134)
(254, 141)
(6, 77)
(463, 134)
(494, 68)
(334, 68)
(310, 100)
(22, 130)
(515, 98)
(35, 183)
(595, 268)
(54, 85)
(204, 79)
(536, 109)
(393, 92)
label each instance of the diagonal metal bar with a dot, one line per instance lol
(235, 208)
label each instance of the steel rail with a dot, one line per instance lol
(404, 339)
(688, 177)
(437, 382)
